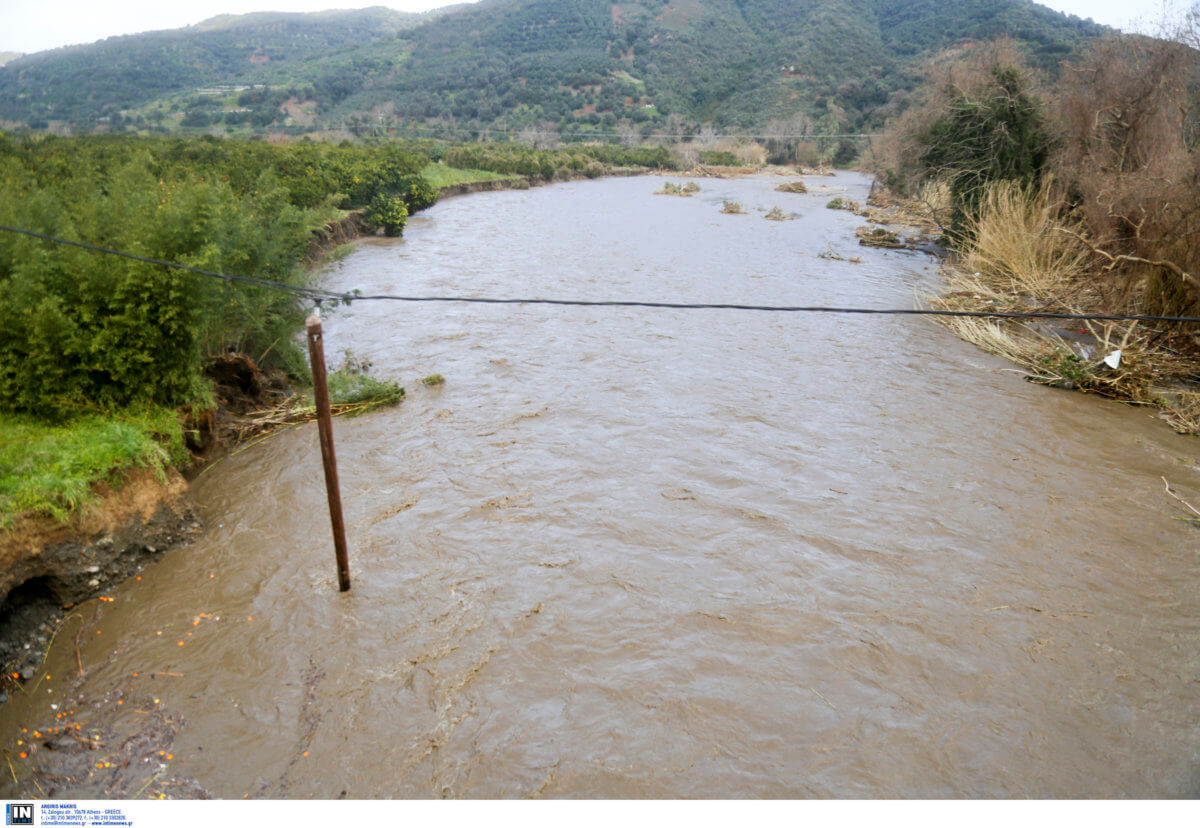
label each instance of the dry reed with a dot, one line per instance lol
(1026, 257)
(1018, 246)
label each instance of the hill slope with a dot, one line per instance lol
(585, 64)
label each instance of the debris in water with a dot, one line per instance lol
(878, 237)
(792, 187)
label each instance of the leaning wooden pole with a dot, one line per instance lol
(316, 354)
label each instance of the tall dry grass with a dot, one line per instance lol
(1025, 256)
(1021, 245)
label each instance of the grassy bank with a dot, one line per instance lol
(54, 469)
(440, 176)
(48, 469)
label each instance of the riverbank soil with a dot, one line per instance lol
(46, 567)
(241, 389)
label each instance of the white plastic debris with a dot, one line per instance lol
(1113, 360)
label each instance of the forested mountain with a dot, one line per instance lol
(581, 65)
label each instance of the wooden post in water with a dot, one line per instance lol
(316, 355)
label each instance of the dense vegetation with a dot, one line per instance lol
(99, 351)
(107, 332)
(582, 67)
(997, 134)
(1082, 199)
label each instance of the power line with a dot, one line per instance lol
(516, 133)
(319, 295)
(777, 308)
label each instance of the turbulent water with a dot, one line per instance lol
(658, 553)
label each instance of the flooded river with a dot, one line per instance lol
(657, 553)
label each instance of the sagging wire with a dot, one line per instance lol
(318, 295)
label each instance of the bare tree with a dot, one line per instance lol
(1189, 30)
(1129, 158)
(673, 128)
(784, 135)
(542, 136)
(628, 134)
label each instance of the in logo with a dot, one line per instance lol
(18, 814)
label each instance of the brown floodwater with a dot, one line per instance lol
(658, 553)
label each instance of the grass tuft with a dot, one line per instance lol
(1019, 245)
(684, 190)
(53, 469)
(359, 393)
(843, 203)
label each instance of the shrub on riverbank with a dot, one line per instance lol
(105, 332)
(1026, 256)
(548, 165)
(1086, 205)
(386, 212)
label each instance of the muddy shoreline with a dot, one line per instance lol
(46, 567)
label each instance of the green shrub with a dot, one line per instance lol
(998, 134)
(388, 212)
(418, 193)
(719, 158)
(361, 391)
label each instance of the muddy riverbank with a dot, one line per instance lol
(47, 567)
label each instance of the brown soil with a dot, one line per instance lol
(336, 233)
(47, 567)
(241, 388)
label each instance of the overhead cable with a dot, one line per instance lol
(319, 295)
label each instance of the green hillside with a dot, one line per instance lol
(583, 66)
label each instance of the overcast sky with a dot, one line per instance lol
(34, 25)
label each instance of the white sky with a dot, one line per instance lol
(34, 25)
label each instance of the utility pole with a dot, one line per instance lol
(316, 354)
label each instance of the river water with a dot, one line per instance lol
(659, 553)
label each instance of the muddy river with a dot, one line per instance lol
(655, 553)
